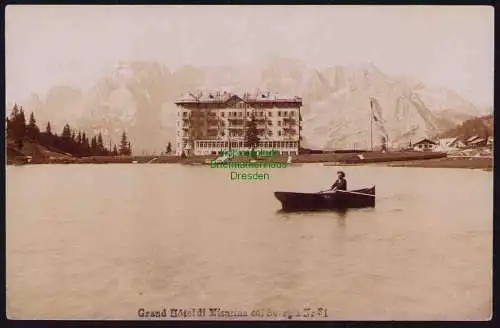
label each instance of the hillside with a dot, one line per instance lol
(478, 126)
(138, 97)
(39, 153)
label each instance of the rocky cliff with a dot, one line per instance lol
(138, 97)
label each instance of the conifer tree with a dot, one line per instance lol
(88, 149)
(252, 134)
(169, 148)
(48, 129)
(12, 122)
(124, 144)
(93, 146)
(66, 132)
(383, 143)
(32, 129)
(66, 138)
(22, 124)
(15, 112)
(100, 144)
(17, 126)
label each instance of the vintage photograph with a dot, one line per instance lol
(297, 163)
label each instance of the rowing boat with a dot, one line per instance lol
(295, 201)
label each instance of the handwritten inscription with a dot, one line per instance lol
(220, 313)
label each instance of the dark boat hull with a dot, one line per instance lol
(293, 201)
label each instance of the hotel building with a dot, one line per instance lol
(210, 122)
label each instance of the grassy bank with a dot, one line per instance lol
(463, 163)
(400, 159)
(370, 157)
(347, 158)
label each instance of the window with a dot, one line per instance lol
(279, 113)
(279, 133)
(270, 133)
(279, 123)
(222, 114)
(270, 114)
(292, 114)
(285, 114)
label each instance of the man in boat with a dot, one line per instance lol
(340, 183)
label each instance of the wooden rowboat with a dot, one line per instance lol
(295, 201)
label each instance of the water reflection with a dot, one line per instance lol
(341, 220)
(340, 215)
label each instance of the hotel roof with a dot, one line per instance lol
(222, 97)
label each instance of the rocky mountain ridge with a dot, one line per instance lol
(138, 97)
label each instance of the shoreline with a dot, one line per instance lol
(396, 159)
(481, 163)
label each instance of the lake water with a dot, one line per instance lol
(103, 241)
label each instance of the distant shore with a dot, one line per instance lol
(396, 159)
(450, 162)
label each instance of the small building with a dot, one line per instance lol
(478, 142)
(424, 145)
(470, 140)
(457, 143)
(449, 144)
(445, 142)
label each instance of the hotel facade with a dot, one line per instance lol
(210, 122)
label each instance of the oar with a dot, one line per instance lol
(356, 193)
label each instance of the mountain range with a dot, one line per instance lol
(138, 97)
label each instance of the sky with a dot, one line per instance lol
(448, 46)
